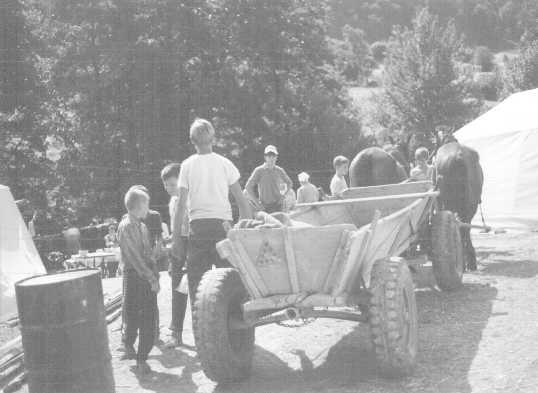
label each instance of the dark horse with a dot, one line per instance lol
(460, 178)
(374, 166)
(399, 150)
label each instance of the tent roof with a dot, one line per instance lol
(515, 114)
(18, 256)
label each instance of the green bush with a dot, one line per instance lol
(484, 59)
(379, 51)
(488, 85)
(522, 72)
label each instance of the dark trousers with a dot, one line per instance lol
(272, 207)
(179, 300)
(202, 253)
(140, 305)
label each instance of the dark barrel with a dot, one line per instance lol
(64, 333)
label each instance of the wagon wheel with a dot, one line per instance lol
(225, 349)
(447, 251)
(393, 317)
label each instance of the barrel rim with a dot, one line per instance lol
(22, 282)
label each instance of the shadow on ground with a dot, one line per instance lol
(485, 254)
(505, 263)
(450, 328)
(164, 382)
(511, 268)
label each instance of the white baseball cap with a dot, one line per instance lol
(270, 149)
(303, 177)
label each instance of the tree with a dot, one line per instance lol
(352, 55)
(522, 72)
(23, 164)
(379, 50)
(129, 76)
(483, 58)
(272, 58)
(421, 88)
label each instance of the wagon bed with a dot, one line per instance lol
(323, 262)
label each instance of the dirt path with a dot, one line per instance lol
(479, 339)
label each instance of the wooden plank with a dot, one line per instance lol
(387, 189)
(249, 282)
(273, 302)
(226, 250)
(250, 268)
(405, 231)
(337, 261)
(290, 259)
(352, 277)
(11, 346)
(323, 300)
(322, 216)
(370, 199)
(294, 299)
(353, 258)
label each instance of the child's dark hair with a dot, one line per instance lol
(171, 170)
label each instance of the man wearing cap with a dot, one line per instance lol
(267, 179)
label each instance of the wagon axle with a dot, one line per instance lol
(294, 313)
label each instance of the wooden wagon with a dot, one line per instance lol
(334, 259)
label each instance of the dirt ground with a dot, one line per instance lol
(479, 339)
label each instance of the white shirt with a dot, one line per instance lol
(419, 175)
(208, 178)
(338, 184)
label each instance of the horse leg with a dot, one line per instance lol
(468, 248)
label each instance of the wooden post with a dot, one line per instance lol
(290, 259)
(371, 199)
(337, 260)
(357, 262)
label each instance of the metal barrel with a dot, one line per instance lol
(64, 333)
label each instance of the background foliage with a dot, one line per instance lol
(97, 95)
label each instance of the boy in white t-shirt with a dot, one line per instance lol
(338, 182)
(206, 179)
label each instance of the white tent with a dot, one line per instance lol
(506, 137)
(18, 256)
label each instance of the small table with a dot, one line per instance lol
(96, 259)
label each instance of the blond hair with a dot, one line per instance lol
(421, 154)
(339, 161)
(202, 132)
(133, 197)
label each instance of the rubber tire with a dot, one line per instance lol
(447, 251)
(221, 292)
(391, 285)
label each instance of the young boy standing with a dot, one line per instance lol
(169, 177)
(139, 280)
(422, 171)
(153, 222)
(205, 180)
(267, 178)
(307, 193)
(338, 182)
